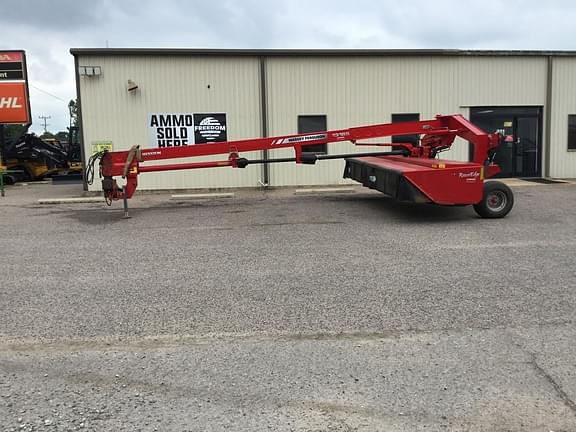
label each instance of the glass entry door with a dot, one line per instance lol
(520, 153)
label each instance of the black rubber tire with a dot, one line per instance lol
(497, 200)
(24, 176)
(9, 180)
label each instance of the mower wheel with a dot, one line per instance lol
(497, 201)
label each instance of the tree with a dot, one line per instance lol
(13, 131)
(47, 135)
(73, 109)
(62, 136)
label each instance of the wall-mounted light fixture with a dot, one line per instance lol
(131, 86)
(89, 70)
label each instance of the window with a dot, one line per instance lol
(397, 118)
(572, 132)
(312, 123)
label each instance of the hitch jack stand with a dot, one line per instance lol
(126, 215)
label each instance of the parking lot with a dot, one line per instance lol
(275, 311)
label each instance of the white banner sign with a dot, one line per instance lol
(170, 129)
(181, 129)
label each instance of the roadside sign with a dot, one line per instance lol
(14, 96)
(13, 103)
(11, 66)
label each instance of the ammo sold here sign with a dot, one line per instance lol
(182, 129)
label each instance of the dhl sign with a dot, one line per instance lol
(14, 103)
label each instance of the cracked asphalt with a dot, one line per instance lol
(269, 311)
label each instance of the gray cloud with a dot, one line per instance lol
(46, 29)
(512, 24)
(56, 15)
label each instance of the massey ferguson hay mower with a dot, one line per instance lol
(408, 172)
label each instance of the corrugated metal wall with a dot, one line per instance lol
(171, 85)
(562, 161)
(355, 91)
(350, 91)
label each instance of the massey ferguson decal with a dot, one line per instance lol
(300, 139)
(209, 128)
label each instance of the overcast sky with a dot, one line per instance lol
(47, 29)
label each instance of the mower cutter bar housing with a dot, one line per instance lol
(419, 180)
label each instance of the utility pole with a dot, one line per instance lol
(44, 118)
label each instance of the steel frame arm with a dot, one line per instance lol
(438, 134)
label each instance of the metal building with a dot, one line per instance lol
(163, 97)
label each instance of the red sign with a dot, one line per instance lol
(9, 57)
(14, 103)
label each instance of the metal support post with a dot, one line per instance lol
(2, 160)
(126, 215)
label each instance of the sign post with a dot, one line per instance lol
(2, 160)
(14, 96)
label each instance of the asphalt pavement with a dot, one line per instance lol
(271, 311)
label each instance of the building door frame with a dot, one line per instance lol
(520, 154)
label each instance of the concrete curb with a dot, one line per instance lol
(80, 200)
(323, 191)
(203, 196)
(520, 183)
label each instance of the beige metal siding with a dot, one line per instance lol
(171, 84)
(355, 91)
(562, 161)
(351, 91)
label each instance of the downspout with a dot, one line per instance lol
(80, 123)
(548, 117)
(265, 181)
